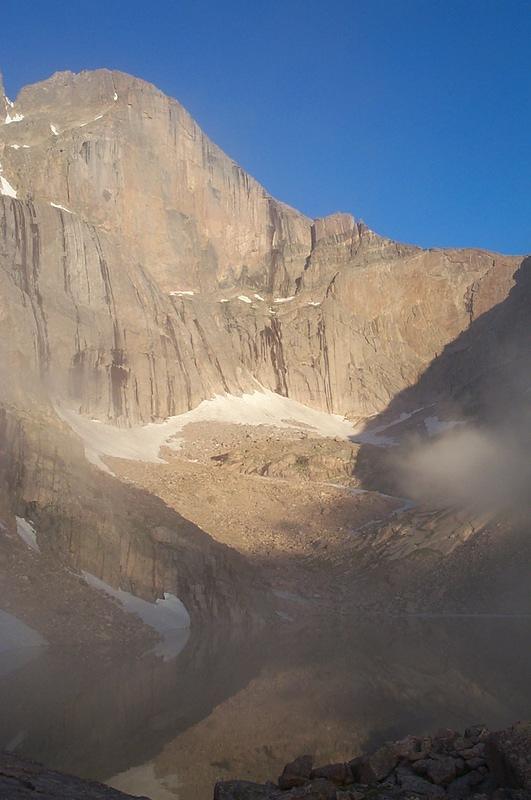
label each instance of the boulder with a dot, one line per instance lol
(508, 754)
(244, 790)
(341, 774)
(463, 786)
(296, 773)
(409, 747)
(378, 765)
(418, 785)
(318, 789)
(442, 770)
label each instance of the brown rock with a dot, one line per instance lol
(340, 774)
(418, 785)
(508, 755)
(296, 773)
(319, 789)
(378, 765)
(442, 771)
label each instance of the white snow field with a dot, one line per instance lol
(143, 443)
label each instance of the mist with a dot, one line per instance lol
(469, 467)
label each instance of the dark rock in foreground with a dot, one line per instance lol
(477, 765)
(21, 780)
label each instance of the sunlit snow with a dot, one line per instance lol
(15, 118)
(6, 188)
(62, 208)
(143, 443)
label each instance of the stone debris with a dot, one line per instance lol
(478, 765)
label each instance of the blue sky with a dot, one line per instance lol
(414, 115)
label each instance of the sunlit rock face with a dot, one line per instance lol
(144, 270)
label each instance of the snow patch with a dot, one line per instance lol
(168, 616)
(224, 300)
(6, 188)
(115, 97)
(54, 130)
(244, 298)
(9, 102)
(62, 208)
(143, 443)
(284, 299)
(259, 297)
(27, 533)
(314, 303)
(181, 293)
(98, 117)
(15, 118)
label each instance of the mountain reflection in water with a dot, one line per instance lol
(233, 706)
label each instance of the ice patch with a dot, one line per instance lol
(143, 443)
(62, 208)
(27, 533)
(284, 299)
(10, 103)
(15, 118)
(244, 298)
(54, 130)
(181, 293)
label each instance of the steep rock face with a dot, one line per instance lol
(169, 274)
(88, 521)
(119, 152)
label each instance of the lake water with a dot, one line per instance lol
(228, 706)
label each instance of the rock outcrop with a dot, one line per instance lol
(21, 780)
(475, 764)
